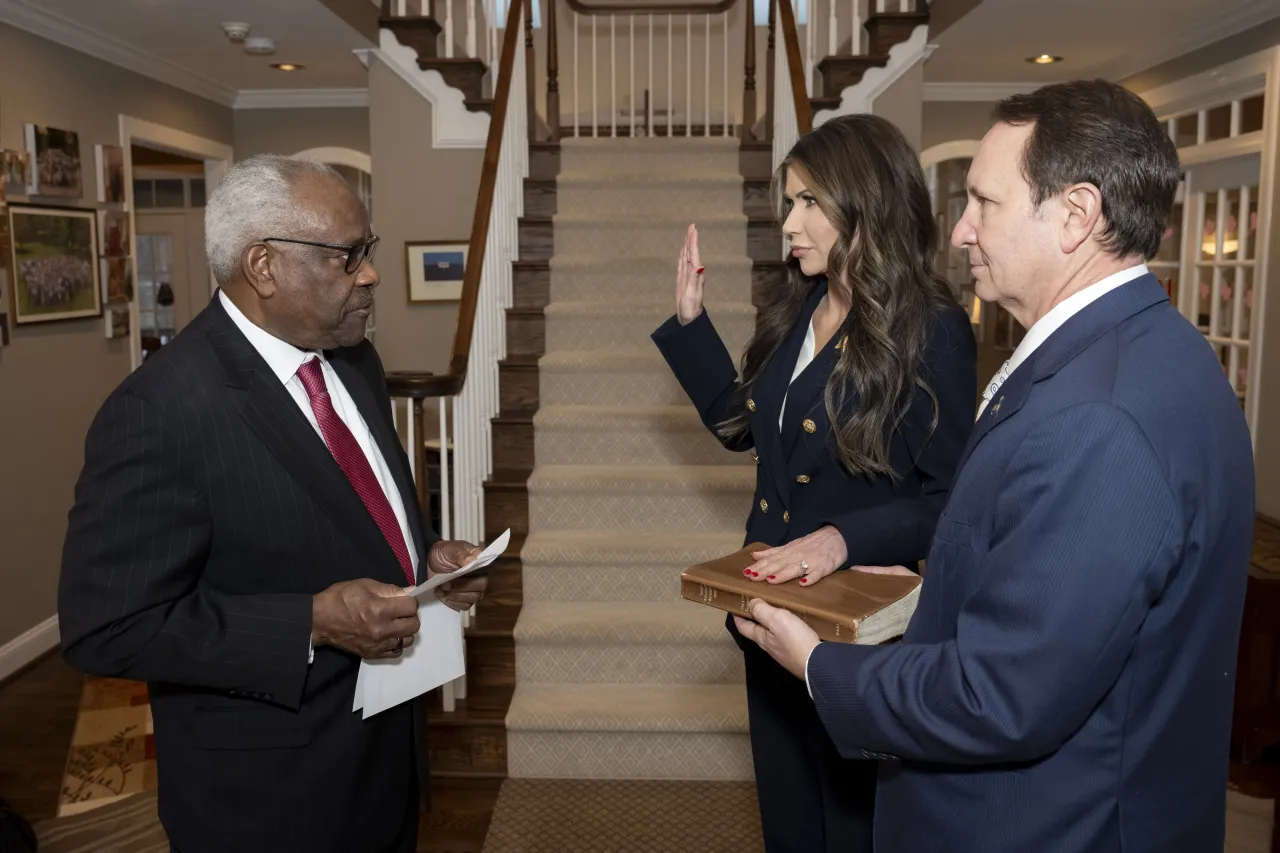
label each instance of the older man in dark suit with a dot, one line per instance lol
(1066, 683)
(244, 529)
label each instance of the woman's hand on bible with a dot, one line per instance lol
(689, 279)
(809, 558)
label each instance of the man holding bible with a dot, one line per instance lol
(1066, 682)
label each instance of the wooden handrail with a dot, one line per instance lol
(795, 64)
(452, 382)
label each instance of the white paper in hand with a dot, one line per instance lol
(436, 656)
(487, 556)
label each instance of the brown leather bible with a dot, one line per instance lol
(844, 607)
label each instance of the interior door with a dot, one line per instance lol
(172, 273)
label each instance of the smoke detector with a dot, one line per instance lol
(235, 30)
(259, 46)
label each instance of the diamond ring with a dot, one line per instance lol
(804, 566)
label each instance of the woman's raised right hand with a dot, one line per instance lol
(689, 279)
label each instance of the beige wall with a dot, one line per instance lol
(288, 131)
(420, 194)
(53, 377)
(947, 121)
(901, 103)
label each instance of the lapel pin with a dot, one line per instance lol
(996, 407)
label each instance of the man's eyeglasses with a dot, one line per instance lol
(356, 255)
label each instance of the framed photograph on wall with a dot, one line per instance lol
(16, 166)
(110, 174)
(55, 162)
(113, 227)
(434, 271)
(117, 280)
(53, 264)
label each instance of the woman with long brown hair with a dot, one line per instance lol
(857, 392)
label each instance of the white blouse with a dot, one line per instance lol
(806, 356)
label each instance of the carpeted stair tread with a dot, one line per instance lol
(577, 549)
(627, 435)
(649, 309)
(653, 479)
(643, 623)
(589, 566)
(624, 816)
(685, 708)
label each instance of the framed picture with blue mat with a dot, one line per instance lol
(434, 271)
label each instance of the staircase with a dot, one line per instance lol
(616, 676)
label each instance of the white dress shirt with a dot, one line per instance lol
(802, 361)
(284, 359)
(1037, 335)
(1051, 322)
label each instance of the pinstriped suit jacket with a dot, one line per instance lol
(1065, 685)
(208, 514)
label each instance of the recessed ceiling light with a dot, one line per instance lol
(287, 66)
(1044, 59)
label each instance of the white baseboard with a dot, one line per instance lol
(28, 646)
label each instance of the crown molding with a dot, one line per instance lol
(976, 91)
(1201, 34)
(274, 99)
(29, 17)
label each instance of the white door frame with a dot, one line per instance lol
(217, 157)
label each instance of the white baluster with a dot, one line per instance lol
(631, 92)
(831, 28)
(577, 131)
(613, 76)
(671, 107)
(410, 437)
(446, 517)
(1215, 297)
(1235, 118)
(1202, 127)
(648, 124)
(595, 76)
(494, 18)
(855, 39)
(725, 18)
(400, 9)
(448, 29)
(880, 5)
(688, 75)
(706, 76)
(904, 6)
(471, 27)
(810, 39)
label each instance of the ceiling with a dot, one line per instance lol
(1103, 38)
(182, 40)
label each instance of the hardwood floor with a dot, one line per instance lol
(38, 715)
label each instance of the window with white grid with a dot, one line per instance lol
(1208, 257)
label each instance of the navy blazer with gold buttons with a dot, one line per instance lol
(800, 482)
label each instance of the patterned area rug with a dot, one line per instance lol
(597, 816)
(112, 755)
(128, 825)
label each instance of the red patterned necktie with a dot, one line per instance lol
(351, 459)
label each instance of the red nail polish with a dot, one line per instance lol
(804, 580)
(770, 577)
(747, 572)
(755, 574)
(700, 269)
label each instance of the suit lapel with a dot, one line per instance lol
(1076, 335)
(806, 393)
(275, 418)
(388, 444)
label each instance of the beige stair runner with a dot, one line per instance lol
(616, 676)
